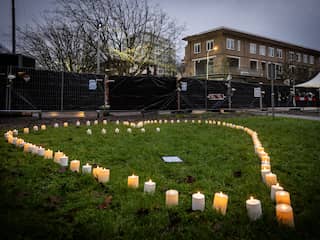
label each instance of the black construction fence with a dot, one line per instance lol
(48, 90)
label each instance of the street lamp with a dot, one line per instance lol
(207, 77)
(98, 47)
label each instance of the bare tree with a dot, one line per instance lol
(131, 31)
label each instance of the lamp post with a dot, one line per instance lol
(98, 48)
(207, 76)
(260, 98)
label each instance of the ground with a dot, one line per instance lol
(41, 200)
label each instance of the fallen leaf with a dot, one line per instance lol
(189, 179)
(106, 203)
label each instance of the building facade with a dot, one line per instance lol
(223, 51)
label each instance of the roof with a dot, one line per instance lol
(313, 83)
(248, 34)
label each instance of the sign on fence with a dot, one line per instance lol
(184, 86)
(216, 96)
(257, 92)
(92, 84)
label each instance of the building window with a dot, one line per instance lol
(230, 43)
(238, 45)
(279, 53)
(253, 48)
(233, 62)
(271, 52)
(210, 44)
(299, 57)
(311, 59)
(278, 70)
(254, 65)
(262, 50)
(197, 48)
(291, 56)
(305, 58)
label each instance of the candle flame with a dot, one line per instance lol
(251, 198)
(198, 192)
(150, 180)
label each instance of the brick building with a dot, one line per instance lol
(247, 57)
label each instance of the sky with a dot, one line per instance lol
(293, 21)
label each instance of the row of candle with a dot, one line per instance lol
(281, 197)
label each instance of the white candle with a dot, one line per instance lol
(254, 209)
(57, 156)
(220, 202)
(274, 189)
(43, 127)
(198, 201)
(284, 214)
(271, 179)
(56, 125)
(117, 122)
(88, 123)
(104, 175)
(117, 130)
(149, 187)
(15, 132)
(78, 123)
(133, 181)
(65, 124)
(41, 151)
(26, 130)
(35, 149)
(264, 172)
(103, 131)
(104, 122)
(158, 129)
(86, 169)
(35, 128)
(89, 131)
(75, 165)
(129, 130)
(172, 198)
(64, 161)
(143, 130)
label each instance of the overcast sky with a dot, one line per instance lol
(294, 21)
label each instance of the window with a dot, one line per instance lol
(210, 44)
(311, 59)
(305, 58)
(271, 52)
(230, 43)
(299, 57)
(279, 53)
(233, 62)
(278, 69)
(253, 65)
(238, 45)
(291, 56)
(262, 50)
(253, 48)
(197, 48)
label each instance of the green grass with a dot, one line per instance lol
(40, 202)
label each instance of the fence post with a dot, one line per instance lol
(62, 86)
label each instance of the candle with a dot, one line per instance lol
(57, 156)
(48, 154)
(56, 125)
(253, 209)
(41, 151)
(35, 149)
(165, 121)
(103, 131)
(199, 121)
(178, 121)
(258, 149)
(75, 165)
(282, 197)
(220, 202)
(104, 175)
(265, 158)
(65, 124)
(78, 123)
(133, 181)
(64, 161)
(95, 171)
(20, 142)
(143, 130)
(26, 147)
(117, 130)
(172, 121)
(264, 172)
(88, 123)
(26, 130)
(86, 169)
(284, 214)
(271, 179)
(117, 122)
(158, 129)
(15, 132)
(172, 198)
(89, 131)
(149, 187)
(43, 127)
(104, 122)
(35, 128)
(274, 189)
(129, 130)
(198, 201)
(266, 166)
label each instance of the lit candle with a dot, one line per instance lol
(264, 172)
(57, 156)
(271, 179)
(220, 202)
(104, 175)
(48, 154)
(35, 128)
(104, 122)
(64, 161)
(172, 198)
(89, 131)
(43, 127)
(117, 122)
(65, 124)
(178, 121)
(95, 122)
(26, 130)
(78, 123)
(265, 158)
(26, 147)
(199, 121)
(88, 123)
(117, 130)
(282, 197)
(149, 187)
(86, 169)
(185, 121)
(198, 201)
(172, 121)
(284, 214)
(133, 181)
(258, 149)
(266, 166)
(165, 121)
(158, 129)
(103, 131)
(143, 130)
(41, 151)
(95, 171)
(274, 189)
(129, 130)
(56, 125)
(253, 208)
(35, 149)
(75, 165)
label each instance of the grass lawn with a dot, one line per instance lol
(39, 201)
